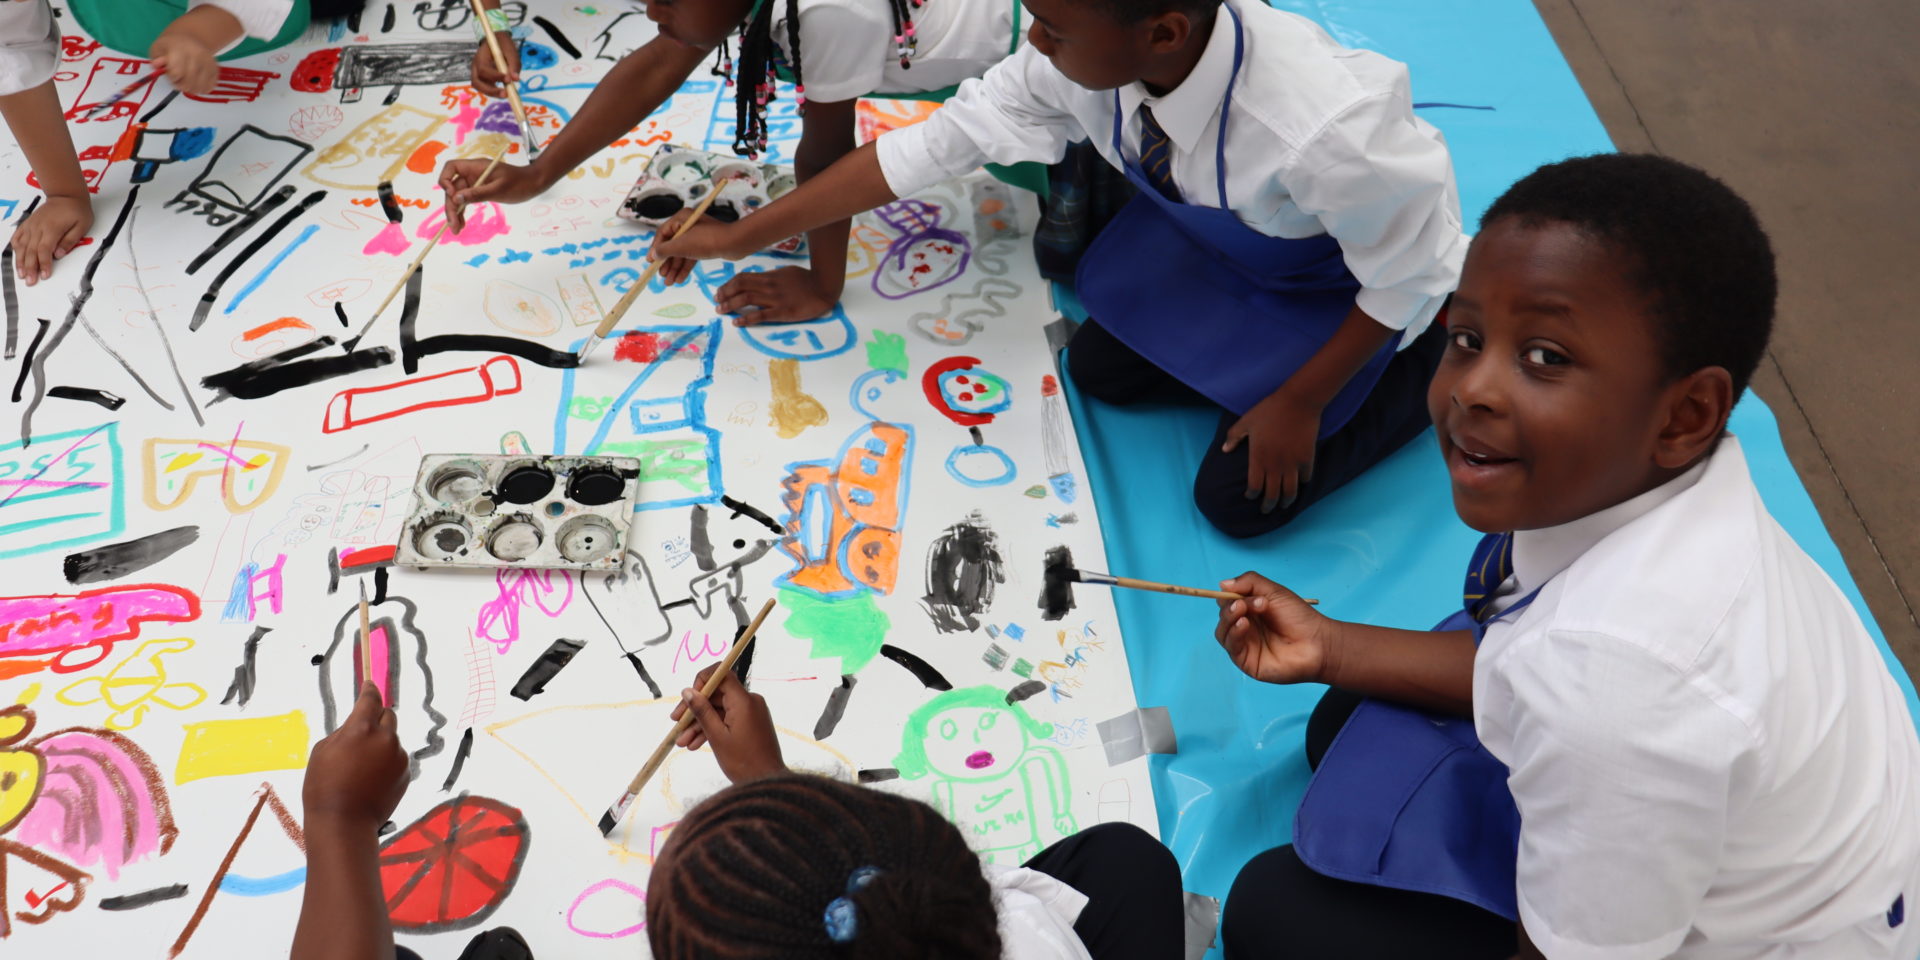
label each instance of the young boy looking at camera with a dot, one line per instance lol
(1295, 232)
(1683, 742)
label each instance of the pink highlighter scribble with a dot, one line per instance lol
(608, 884)
(484, 222)
(392, 239)
(499, 619)
(382, 653)
(52, 622)
(463, 119)
(100, 801)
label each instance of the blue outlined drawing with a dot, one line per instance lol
(661, 417)
(69, 491)
(829, 336)
(998, 471)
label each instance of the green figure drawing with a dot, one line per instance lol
(1009, 794)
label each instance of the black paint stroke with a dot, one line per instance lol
(334, 463)
(743, 667)
(412, 348)
(534, 682)
(835, 709)
(645, 677)
(207, 299)
(388, 206)
(107, 348)
(116, 560)
(134, 901)
(921, 670)
(345, 635)
(153, 316)
(1056, 593)
(878, 775)
(85, 394)
(978, 439)
(333, 570)
(963, 565)
(164, 103)
(741, 508)
(460, 754)
(1025, 690)
(8, 294)
(699, 541)
(559, 39)
(353, 19)
(245, 223)
(396, 64)
(241, 689)
(386, 22)
(340, 312)
(271, 374)
(26, 363)
(380, 585)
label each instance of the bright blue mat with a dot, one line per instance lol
(1387, 549)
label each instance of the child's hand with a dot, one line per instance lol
(188, 64)
(706, 240)
(1281, 433)
(487, 78)
(736, 723)
(51, 233)
(506, 184)
(1273, 635)
(357, 773)
(786, 295)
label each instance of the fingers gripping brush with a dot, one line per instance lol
(1056, 595)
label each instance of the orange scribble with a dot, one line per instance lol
(426, 158)
(272, 325)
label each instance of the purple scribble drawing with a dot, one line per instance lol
(925, 257)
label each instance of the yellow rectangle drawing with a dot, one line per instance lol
(222, 748)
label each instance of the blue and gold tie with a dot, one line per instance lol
(1156, 155)
(1492, 564)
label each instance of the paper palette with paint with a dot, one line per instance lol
(678, 178)
(492, 510)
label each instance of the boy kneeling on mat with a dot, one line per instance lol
(1683, 742)
(1295, 234)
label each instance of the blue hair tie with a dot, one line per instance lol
(841, 919)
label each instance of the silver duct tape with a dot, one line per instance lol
(1137, 733)
(1203, 922)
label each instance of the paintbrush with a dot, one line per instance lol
(500, 64)
(618, 811)
(1060, 572)
(612, 319)
(415, 265)
(366, 641)
(125, 92)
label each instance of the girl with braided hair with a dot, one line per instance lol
(779, 866)
(833, 51)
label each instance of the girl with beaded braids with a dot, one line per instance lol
(780, 866)
(834, 51)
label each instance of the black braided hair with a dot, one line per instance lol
(748, 875)
(756, 82)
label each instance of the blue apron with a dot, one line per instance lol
(1224, 308)
(1412, 800)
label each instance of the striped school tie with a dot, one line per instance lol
(1156, 155)
(1492, 564)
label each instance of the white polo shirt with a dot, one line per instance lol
(30, 39)
(1320, 140)
(1709, 755)
(847, 48)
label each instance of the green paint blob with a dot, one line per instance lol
(1023, 668)
(678, 311)
(849, 628)
(887, 351)
(680, 461)
(1037, 492)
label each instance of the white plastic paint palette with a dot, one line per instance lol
(679, 177)
(492, 510)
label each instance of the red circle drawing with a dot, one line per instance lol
(451, 868)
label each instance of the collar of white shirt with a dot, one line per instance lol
(1540, 554)
(1184, 111)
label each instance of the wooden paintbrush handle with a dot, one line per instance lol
(500, 64)
(612, 319)
(422, 255)
(1157, 587)
(686, 719)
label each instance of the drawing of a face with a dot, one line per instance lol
(974, 743)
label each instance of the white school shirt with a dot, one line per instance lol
(1710, 758)
(30, 39)
(847, 48)
(1320, 140)
(1037, 913)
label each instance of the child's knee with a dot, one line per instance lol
(1225, 505)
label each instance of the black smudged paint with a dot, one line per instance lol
(77, 303)
(8, 294)
(559, 39)
(835, 709)
(1025, 690)
(459, 760)
(534, 682)
(412, 348)
(388, 205)
(26, 362)
(878, 774)
(116, 560)
(921, 670)
(1056, 595)
(241, 689)
(245, 223)
(134, 901)
(340, 313)
(645, 677)
(111, 401)
(963, 565)
(281, 371)
(742, 508)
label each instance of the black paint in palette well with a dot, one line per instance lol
(594, 486)
(526, 484)
(534, 682)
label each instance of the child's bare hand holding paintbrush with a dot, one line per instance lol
(736, 723)
(1273, 635)
(355, 778)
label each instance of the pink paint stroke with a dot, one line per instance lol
(499, 619)
(96, 804)
(392, 239)
(607, 884)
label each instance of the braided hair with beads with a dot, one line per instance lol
(756, 79)
(803, 867)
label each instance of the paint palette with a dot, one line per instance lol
(679, 177)
(493, 510)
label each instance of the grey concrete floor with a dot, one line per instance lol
(1812, 112)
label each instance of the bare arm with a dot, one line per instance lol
(827, 136)
(853, 185)
(355, 777)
